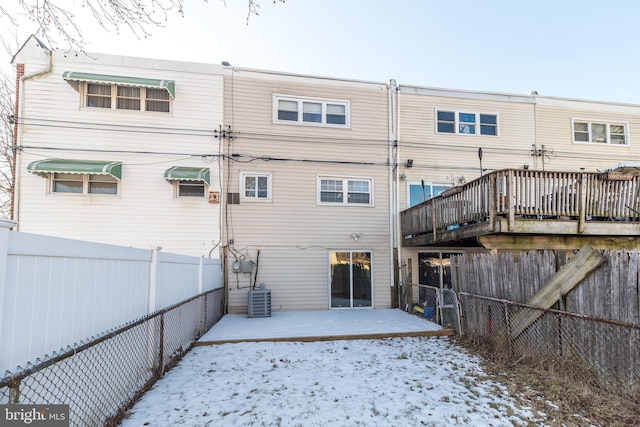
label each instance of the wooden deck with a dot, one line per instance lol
(323, 325)
(314, 338)
(514, 208)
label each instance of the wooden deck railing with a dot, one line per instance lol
(525, 194)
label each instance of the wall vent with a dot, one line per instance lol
(260, 302)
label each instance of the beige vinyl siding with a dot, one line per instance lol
(294, 233)
(145, 213)
(555, 130)
(447, 159)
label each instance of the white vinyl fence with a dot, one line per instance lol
(57, 292)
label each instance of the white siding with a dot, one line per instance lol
(145, 213)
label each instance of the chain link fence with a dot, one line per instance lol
(101, 379)
(439, 305)
(604, 353)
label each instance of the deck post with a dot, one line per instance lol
(582, 202)
(433, 218)
(509, 201)
(493, 194)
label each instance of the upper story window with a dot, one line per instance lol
(122, 92)
(600, 132)
(345, 191)
(307, 111)
(418, 193)
(466, 123)
(255, 186)
(127, 98)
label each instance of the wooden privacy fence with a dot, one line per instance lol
(611, 292)
(595, 332)
(597, 351)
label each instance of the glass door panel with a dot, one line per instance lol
(351, 282)
(361, 273)
(340, 279)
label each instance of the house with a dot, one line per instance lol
(118, 150)
(307, 186)
(510, 172)
(328, 191)
(285, 176)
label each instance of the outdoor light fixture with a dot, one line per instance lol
(409, 163)
(356, 236)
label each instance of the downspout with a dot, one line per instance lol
(398, 233)
(17, 157)
(391, 87)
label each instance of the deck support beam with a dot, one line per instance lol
(555, 242)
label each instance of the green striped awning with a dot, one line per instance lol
(73, 78)
(96, 167)
(182, 173)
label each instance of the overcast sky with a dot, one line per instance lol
(578, 49)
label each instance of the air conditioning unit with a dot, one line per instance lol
(260, 302)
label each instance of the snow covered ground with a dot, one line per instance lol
(383, 382)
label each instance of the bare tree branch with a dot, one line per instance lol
(57, 17)
(7, 92)
(254, 6)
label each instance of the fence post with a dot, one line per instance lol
(506, 322)
(200, 273)
(4, 254)
(161, 349)
(153, 280)
(14, 393)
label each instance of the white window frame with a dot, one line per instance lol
(608, 124)
(477, 123)
(301, 100)
(345, 190)
(85, 178)
(178, 183)
(114, 99)
(249, 174)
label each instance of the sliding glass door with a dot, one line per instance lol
(351, 284)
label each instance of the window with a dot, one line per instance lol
(84, 183)
(345, 191)
(310, 111)
(157, 100)
(188, 181)
(255, 186)
(600, 133)
(190, 188)
(98, 96)
(127, 98)
(417, 195)
(466, 123)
